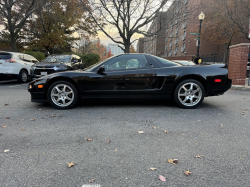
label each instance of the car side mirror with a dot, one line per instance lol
(101, 70)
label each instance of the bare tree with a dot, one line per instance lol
(14, 14)
(127, 17)
(238, 11)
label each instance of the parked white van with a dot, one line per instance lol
(15, 66)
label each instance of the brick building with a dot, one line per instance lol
(178, 43)
(155, 44)
(140, 45)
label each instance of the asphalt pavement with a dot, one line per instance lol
(37, 142)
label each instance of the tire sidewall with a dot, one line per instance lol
(176, 99)
(76, 95)
(20, 78)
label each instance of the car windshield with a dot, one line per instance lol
(91, 68)
(58, 58)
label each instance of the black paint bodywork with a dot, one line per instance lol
(154, 81)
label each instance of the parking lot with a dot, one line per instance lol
(37, 142)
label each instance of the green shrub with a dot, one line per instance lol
(90, 59)
(38, 55)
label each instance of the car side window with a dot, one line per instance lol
(127, 62)
(33, 59)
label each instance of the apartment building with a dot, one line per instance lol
(140, 45)
(154, 44)
(179, 44)
(115, 50)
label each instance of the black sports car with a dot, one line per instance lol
(56, 63)
(133, 76)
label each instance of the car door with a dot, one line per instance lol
(124, 76)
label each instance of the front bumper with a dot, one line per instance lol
(37, 94)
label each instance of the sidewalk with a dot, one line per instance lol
(240, 87)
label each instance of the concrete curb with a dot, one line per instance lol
(240, 87)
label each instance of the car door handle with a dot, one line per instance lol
(1, 63)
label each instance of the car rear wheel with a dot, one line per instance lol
(23, 76)
(189, 94)
(62, 95)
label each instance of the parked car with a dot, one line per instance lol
(133, 76)
(185, 62)
(56, 63)
(15, 66)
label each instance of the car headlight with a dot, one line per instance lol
(56, 68)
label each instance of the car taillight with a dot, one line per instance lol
(217, 80)
(10, 60)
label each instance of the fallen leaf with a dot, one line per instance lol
(32, 119)
(187, 172)
(40, 109)
(115, 149)
(199, 120)
(163, 179)
(196, 144)
(89, 139)
(22, 119)
(109, 141)
(221, 125)
(173, 161)
(92, 180)
(165, 131)
(36, 127)
(6, 104)
(4, 126)
(71, 164)
(242, 113)
(48, 110)
(23, 129)
(199, 156)
(6, 150)
(152, 169)
(141, 132)
(154, 127)
(54, 115)
(7, 117)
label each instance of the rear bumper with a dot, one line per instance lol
(219, 90)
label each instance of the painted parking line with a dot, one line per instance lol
(90, 185)
(18, 85)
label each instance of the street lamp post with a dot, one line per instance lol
(201, 18)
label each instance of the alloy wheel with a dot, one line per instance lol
(189, 94)
(62, 95)
(24, 76)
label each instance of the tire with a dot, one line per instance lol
(62, 95)
(23, 76)
(188, 97)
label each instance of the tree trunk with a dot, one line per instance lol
(127, 47)
(13, 43)
(49, 49)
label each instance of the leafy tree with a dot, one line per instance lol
(54, 25)
(132, 49)
(109, 54)
(99, 49)
(14, 14)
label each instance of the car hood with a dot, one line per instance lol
(48, 64)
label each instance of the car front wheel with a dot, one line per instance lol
(62, 95)
(189, 94)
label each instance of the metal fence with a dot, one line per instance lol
(215, 57)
